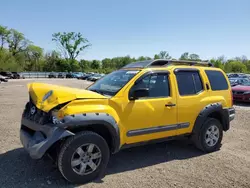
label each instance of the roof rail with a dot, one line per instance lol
(166, 62)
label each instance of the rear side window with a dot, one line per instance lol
(189, 83)
(217, 80)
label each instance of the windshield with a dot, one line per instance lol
(113, 82)
(246, 84)
(233, 80)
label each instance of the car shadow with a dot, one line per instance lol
(17, 169)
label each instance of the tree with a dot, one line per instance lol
(106, 63)
(71, 43)
(222, 59)
(247, 64)
(4, 34)
(33, 54)
(194, 57)
(235, 66)
(7, 61)
(84, 65)
(17, 42)
(156, 56)
(217, 63)
(95, 64)
(184, 56)
(164, 55)
(242, 59)
(143, 58)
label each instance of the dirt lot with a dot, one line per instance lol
(173, 164)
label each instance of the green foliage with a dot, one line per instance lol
(84, 65)
(164, 55)
(95, 64)
(7, 61)
(217, 63)
(19, 54)
(187, 56)
(71, 43)
(235, 66)
(184, 56)
(4, 34)
(17, 42)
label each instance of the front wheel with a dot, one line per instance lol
(83, 157)
(210, 136)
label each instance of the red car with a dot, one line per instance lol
(241, 92)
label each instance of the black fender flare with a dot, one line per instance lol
(206, 112)
(88, 119)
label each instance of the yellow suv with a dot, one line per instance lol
(143, 102)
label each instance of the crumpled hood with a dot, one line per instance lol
(58, 95)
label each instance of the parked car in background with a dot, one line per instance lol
(241, 92)
(69, 75)
(52, 75)
(82, 76)
(86, 76)
(3, 78)
(77, 75)
(8, 75)
(60, 75)
(238, 81)
(237, 75)
(94, 77)
(16, 75)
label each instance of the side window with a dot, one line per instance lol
(189, 83)
(158, 85)
(217, 80)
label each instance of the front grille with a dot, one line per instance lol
(31, 112)
(238, 92)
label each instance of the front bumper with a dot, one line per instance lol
(37, 138)
(241, 98)
(231, 112)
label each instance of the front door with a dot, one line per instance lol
(153, 116)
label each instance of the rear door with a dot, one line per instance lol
(192, 96)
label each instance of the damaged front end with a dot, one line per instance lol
(39, 131)
(41, 124)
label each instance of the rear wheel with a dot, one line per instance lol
(210, 136)
(83, 157)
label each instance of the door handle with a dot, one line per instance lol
(170, 105)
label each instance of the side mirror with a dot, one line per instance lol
(139, 93)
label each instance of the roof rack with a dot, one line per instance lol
(166, 62)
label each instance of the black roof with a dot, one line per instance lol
(165, 62)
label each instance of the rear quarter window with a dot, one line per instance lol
(217, 80)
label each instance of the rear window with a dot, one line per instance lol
(217, 80)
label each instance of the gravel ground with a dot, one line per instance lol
(172, 164)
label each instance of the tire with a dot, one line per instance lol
(70, 149)
(200, 139)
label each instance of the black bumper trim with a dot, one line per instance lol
(43, 138)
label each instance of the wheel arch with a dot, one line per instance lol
(214, 110)
(100, 123)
